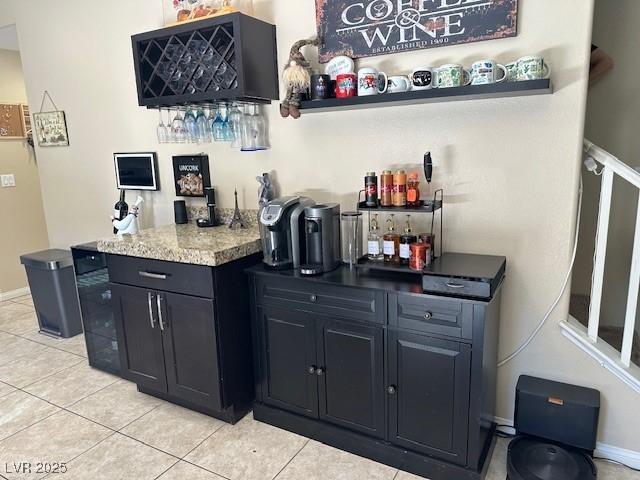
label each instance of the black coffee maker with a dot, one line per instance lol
(322, 229)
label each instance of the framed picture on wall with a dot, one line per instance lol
(51, 129)
(12, 126)
(191, 175)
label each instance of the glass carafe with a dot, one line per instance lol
(351, 234)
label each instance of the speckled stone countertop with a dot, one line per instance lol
(187, 244)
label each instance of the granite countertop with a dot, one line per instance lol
(187, 244)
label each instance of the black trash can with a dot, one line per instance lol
(53, 289)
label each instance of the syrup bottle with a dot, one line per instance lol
(391, 243)
(374, 243)
(405, 243)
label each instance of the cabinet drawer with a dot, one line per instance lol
(456, 286)
(183, 278)
(351, 303)
(449, 317)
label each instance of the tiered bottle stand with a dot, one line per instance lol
(432, 207)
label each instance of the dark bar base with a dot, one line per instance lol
(377, 450)
(231, 415)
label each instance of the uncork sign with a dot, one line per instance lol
(364, 28)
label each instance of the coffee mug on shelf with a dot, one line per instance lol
(532, 67)
(320, 87)
(452, 75)
(484, 72)
(422, 78)
(371, 82)
(512, 71)
(398, 84)
(346, 85)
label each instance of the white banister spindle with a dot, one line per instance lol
(601, 252)
(632, 297)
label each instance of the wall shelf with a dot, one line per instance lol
(471, 92)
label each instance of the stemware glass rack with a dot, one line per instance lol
(226, 58)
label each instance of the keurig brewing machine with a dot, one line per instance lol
(282, 232)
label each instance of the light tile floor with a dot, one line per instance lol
(55, 408)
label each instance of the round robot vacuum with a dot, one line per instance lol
(533, 459)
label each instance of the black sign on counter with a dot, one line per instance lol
(364, 28)
(191, 175)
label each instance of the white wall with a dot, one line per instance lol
(509, 166)
(21, 214)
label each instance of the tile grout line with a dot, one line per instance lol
(291, 459)
(44, 378)
(156, 478)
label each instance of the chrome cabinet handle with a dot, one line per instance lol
(155, 276)
(313, 298)
(311, 369)
(428, 316)
(159, 304)
(391, 389)
(149, 298)
(454, 285)
(320, 372)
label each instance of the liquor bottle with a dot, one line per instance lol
(121, 209)
(374, 243)
(391, 243)
(405, 243)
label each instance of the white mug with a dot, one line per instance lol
(452, 75)
(484, 72)
(422, 78)
(371, 82)
(398, 84)
(532, 67)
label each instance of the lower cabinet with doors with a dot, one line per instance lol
(370, 367)
(184, 332)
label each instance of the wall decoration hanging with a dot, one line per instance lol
(191, 174)
(12, 125)
(358, 28)
(51, 127)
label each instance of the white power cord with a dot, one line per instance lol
(526, 343)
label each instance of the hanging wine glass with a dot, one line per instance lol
(190, 124)
(162, 130)
(178, 128)
(217, 129)
(235, 120)
(202, 127)
(261, 129)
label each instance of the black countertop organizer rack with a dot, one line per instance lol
(432, 206)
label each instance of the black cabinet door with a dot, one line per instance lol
(351, 375)
(288, 360)
(139, 336)
(429, 395)
(190, 347)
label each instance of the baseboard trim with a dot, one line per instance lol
(21, 292)
(603, 450)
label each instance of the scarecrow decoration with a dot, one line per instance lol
(297, 78)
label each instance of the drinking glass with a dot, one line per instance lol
(162, 130)
(235, 120)
(217, 129)
(202, 127)
(190, 124)
(178, 129)
(249, 130)
(261, 128)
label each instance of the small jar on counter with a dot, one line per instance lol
(413, 192)
(417, 260)
(371, 189)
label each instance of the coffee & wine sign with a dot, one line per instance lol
(363, 28)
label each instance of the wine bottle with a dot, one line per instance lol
(121, 209)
